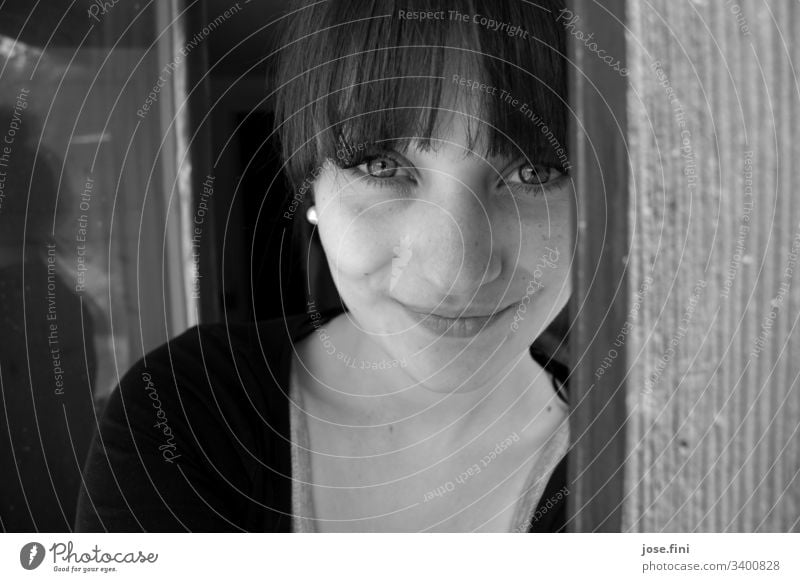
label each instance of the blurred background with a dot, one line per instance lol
(141, 194)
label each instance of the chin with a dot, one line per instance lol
(447, 363)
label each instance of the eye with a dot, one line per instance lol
(385, 168)
(380, 166)
(533, 175)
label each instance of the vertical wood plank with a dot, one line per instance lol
(598, 99)
(714, 385)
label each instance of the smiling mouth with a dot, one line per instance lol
(460, 326)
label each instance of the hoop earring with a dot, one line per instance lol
(311, 215)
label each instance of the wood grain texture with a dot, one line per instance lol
(714, 386)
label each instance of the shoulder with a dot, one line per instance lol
(221, 372)
(218, 341)
(224, 355)
(196, 435)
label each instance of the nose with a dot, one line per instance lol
(455, 243)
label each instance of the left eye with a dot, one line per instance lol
(533, 175)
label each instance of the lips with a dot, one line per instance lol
(460, 325)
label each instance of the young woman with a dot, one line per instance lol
(425, 146)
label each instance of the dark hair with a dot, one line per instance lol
(360, 72)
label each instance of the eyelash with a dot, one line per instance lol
(373, 180)
(538, 189)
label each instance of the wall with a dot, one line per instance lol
(714, 279)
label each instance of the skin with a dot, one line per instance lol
(446, 234)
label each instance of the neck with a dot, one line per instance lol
(358, 391)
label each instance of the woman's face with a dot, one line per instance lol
(450, 264)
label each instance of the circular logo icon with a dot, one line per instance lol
(31, 555)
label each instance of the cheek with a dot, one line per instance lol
(543, 266)
(561, 240)
(356, 245)
(550, 220)
(545, 234)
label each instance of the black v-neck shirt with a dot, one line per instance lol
(196, 438)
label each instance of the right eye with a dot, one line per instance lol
(384, 168)
(380, 166)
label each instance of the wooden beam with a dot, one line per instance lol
(597, 88)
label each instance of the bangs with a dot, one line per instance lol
(357, 74)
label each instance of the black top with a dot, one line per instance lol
(196, 438)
